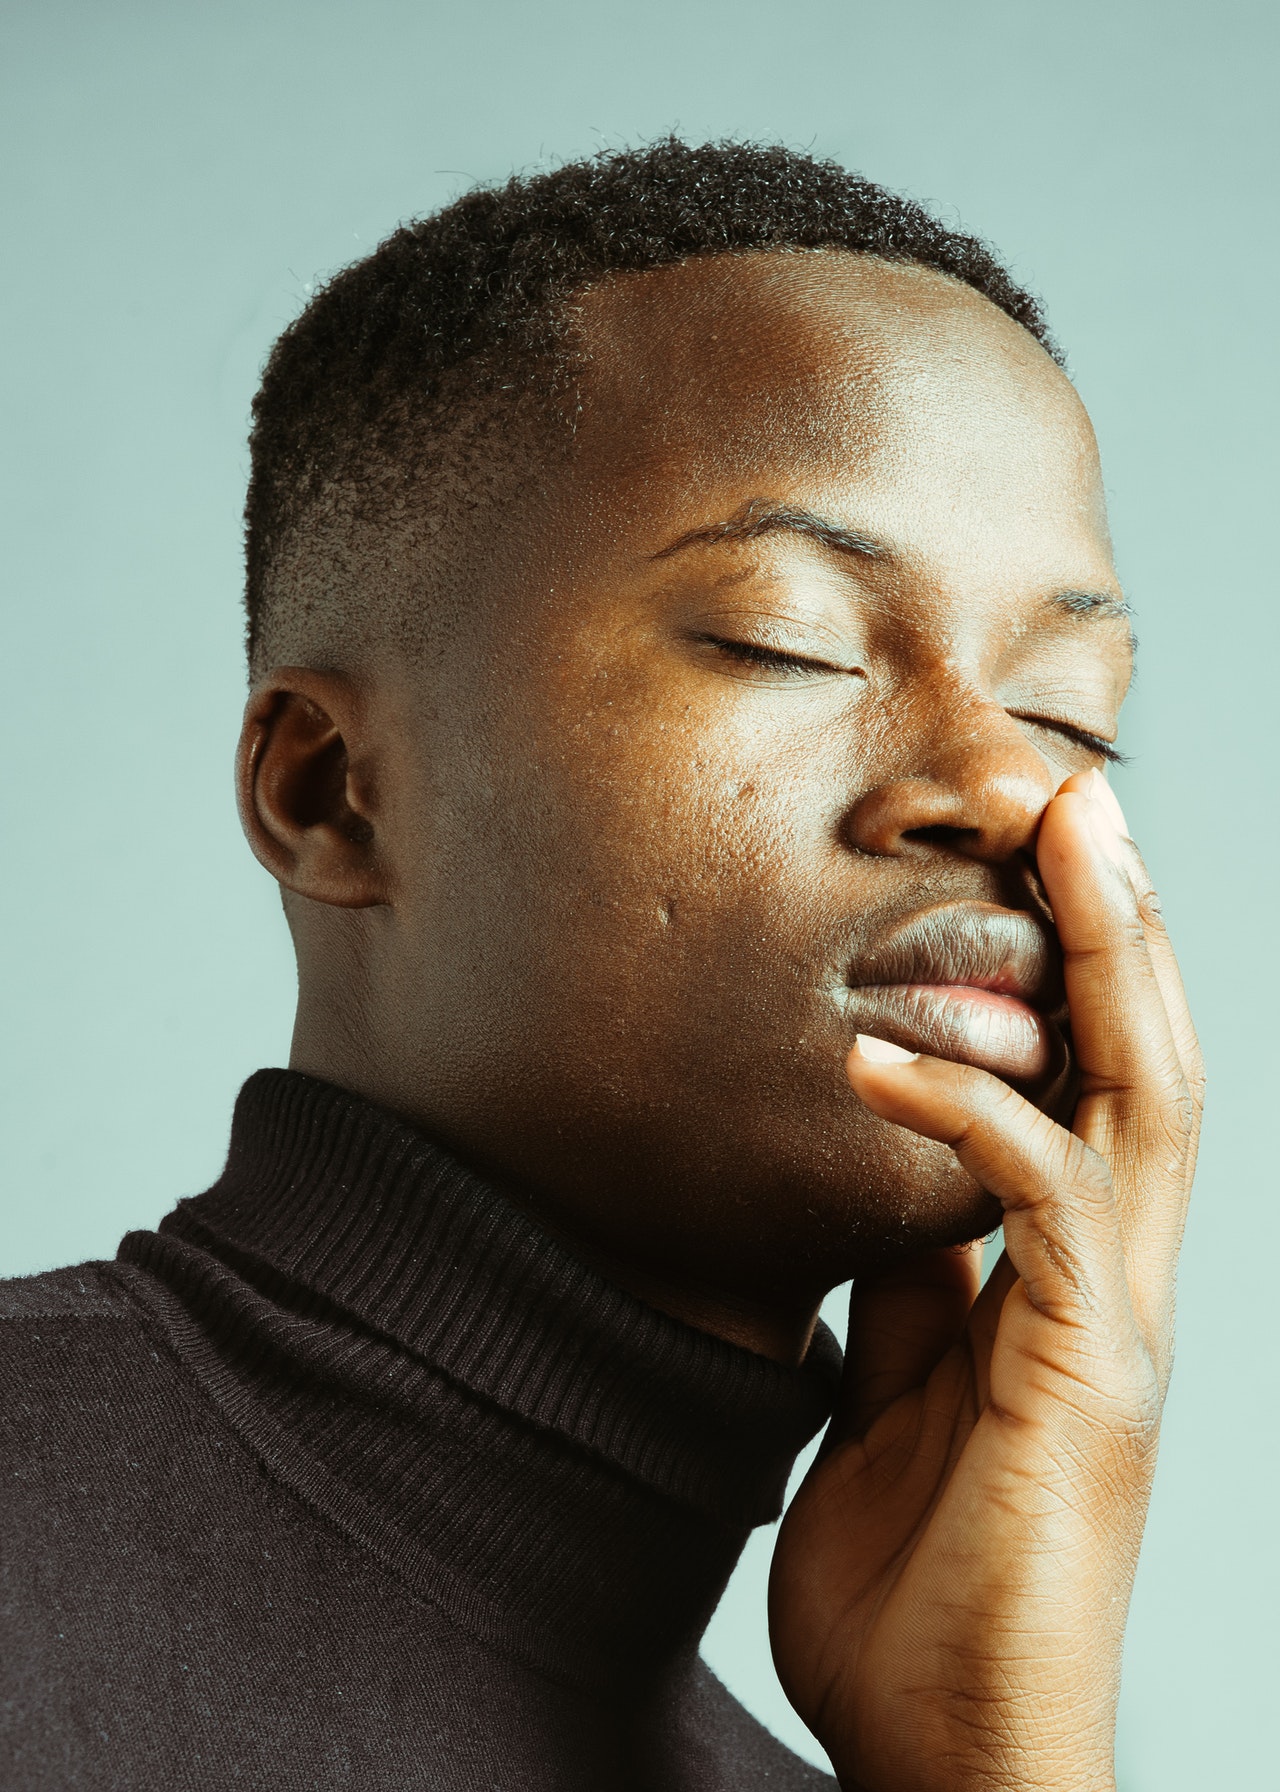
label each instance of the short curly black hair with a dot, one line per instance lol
(456, 313)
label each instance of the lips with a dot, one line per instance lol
(966, 981)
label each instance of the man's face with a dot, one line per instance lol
(745, 756)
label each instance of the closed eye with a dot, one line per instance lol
(798, 665)
(1092, 743)
(773, 659)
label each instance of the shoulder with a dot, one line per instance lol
(63, 1315)
(701, 1739)
(101, 1431)
(79, 1364)
(84, 1291)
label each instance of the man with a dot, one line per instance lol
(684, 650)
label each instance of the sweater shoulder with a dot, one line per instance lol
(78, 1362)
(706, 1741)
(84, 1291)
(753, 1755)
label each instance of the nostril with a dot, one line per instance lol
(957, 839)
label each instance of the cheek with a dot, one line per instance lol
(663, 895)
(664, 817)
(647, 874)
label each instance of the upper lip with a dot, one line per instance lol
(974, 944)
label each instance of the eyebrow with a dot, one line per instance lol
(761, 517)
(1093, 603)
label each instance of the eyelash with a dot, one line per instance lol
(773, 657)
(1092, 743)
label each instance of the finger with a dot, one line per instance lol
(1061, 1227)
(1153, 1230)
(1141, 1075)
(1150, 913)
(1129, 1067)
(1134, 1106)
(984, 1320)
(1186, 1044)
(901, 1323)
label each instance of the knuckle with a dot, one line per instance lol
(1174, 1120)
(1185, 1111)
(1120, 933)
(1196, 1076)
(1145, 1399)
(1002, 1101)
(1089, 1171)
(1128, 1376)
(1131, 933)
(1151, 910)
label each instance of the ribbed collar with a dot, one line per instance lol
(343, 1254)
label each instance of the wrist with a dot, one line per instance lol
(1032, 1772)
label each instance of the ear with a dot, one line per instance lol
(305, 790)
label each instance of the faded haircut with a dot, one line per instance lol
(418, 382)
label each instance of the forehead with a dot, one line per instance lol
(884, 388)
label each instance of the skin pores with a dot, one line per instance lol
(742, 752)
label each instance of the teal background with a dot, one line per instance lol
(176, 176)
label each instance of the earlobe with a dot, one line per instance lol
(305, 804)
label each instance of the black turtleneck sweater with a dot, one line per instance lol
(349, 1476)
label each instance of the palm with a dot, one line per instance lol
(873, 1575)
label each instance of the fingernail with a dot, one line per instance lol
(1099, 791)
(883, 1051)
(1106, 835)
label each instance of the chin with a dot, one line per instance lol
(851, 1206)
(905, 1194)
(916, 1199)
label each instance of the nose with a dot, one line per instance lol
(977, 787)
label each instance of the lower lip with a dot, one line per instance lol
(951, 1020)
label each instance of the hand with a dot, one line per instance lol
(950, 1584)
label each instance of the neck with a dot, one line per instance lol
(774, 1328)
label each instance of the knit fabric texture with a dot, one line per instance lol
(350, 1476)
